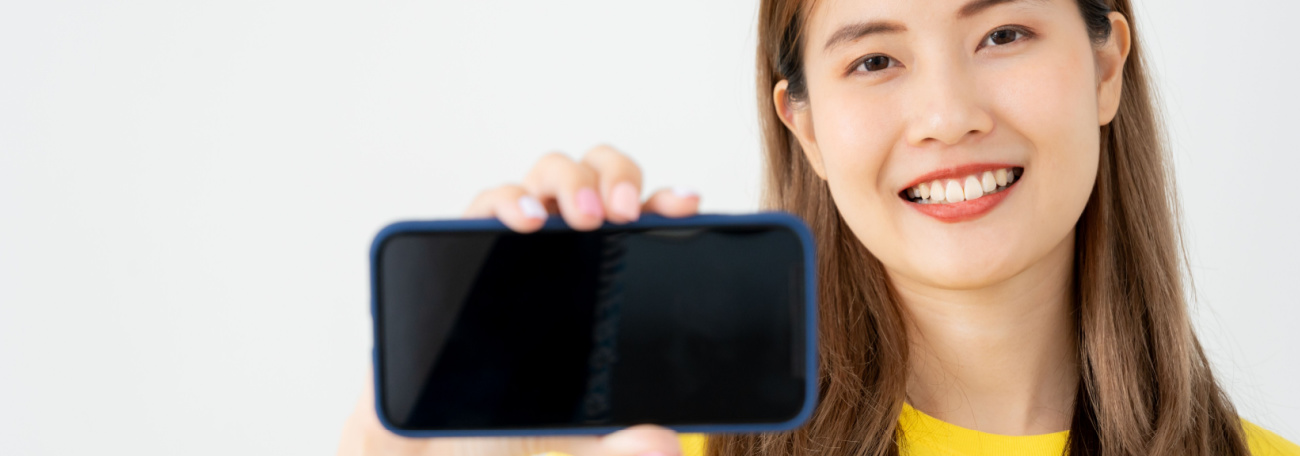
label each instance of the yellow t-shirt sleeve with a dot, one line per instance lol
(1263, 442)
(692, 444)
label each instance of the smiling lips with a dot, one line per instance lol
(962, 193)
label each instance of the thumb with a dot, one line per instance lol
(642, 440)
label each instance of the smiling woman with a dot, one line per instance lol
(999, 240)
(997, 237)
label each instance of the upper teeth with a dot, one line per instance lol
(967, 188)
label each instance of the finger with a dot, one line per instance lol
(673, 202)
(512, 205)
(573, 187)
(620, 183)
(642, 440)
(512, 446)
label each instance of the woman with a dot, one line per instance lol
(997, 238)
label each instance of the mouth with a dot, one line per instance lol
(956, 189)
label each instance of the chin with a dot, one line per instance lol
(963, 268)
(968, 278)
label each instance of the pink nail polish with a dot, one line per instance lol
(531, 207)
(589, 203)
(625, 202)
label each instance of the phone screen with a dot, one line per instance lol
(562, 329)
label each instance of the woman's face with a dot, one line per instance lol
(950, 94)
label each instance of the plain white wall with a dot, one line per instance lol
(188, 189)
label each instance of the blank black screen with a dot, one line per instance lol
(562, 329)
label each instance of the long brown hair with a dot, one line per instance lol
(1145, 386)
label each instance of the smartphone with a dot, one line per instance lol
(699, 324)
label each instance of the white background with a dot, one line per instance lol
(188, 189)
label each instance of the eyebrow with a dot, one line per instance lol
(853, 32)
(978, 6)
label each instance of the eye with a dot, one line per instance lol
(873, 63)
(1003, 36)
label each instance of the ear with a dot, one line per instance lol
(1110, 68)
(798, 119)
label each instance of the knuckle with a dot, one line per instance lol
(586, 173)
(603, 152)
(554, 158)
(508, 190)
(612, 164)
(634, 172)
(553, 167)
(574, 174)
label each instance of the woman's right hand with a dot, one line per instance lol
(363, 435)
(604, 185)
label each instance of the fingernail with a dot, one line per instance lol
(685, 192)
(625, 201)
(589, 203)
(531, 207)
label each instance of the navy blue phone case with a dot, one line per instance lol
(646, 221)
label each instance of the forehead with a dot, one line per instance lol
(828, 16)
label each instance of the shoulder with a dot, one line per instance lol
(1263, 442)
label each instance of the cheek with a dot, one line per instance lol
(852, 134)
(855, 135)
(1050, 101)
(1052, 104)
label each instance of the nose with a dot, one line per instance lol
(945, 106)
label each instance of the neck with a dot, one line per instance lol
(1000, 359)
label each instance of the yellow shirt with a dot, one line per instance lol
(924, 435)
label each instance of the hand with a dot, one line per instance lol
(363, 435)
(605, 185)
